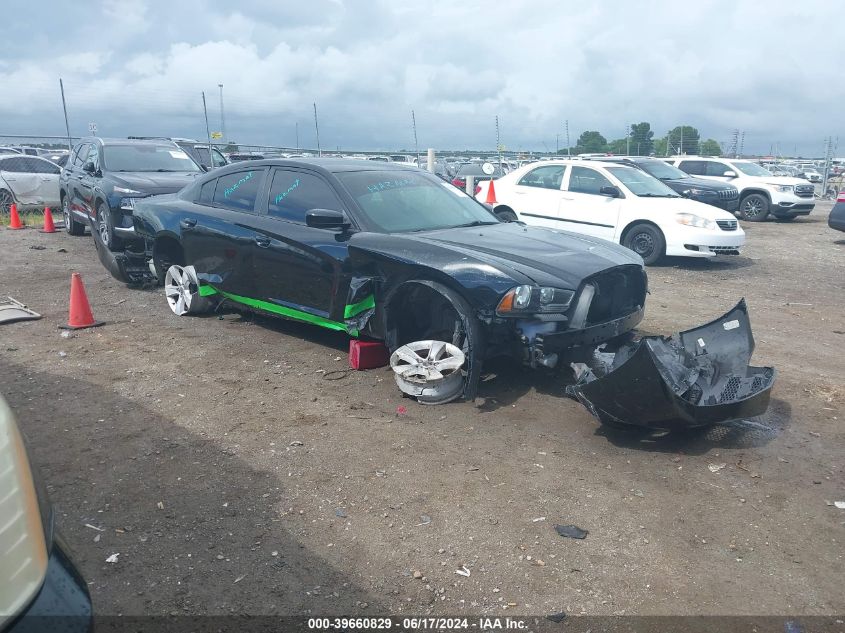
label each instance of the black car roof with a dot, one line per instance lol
(330, 165)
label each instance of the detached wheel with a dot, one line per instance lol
(105, 229)
(754, 207)
(181, 288)
(429, 370)
(647, 241)
(71, 226)
(506, 215)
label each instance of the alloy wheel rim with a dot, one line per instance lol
(66, 214)
(180, 287)
(103, 226)
(752, 208)
(5, 202)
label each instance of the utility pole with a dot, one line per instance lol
(222, 115)
(681, 146)
(498, 146)
(317, 128)
(628, 141)
(741, 144)
(297, 135)
(207, 132)
(557, 144)
(64, 107)
(416, 145)
(568, 151)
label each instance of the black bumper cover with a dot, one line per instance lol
(698, 378)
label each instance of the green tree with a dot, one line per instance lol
(683, 140)
(659, 146)
(590, 142)
(710, 148)
(641, 139)
(618, 147)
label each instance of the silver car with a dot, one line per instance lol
(29, 181)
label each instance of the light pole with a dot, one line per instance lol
(222, 115)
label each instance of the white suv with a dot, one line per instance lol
(760, 192)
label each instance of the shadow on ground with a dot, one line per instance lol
(195, 526)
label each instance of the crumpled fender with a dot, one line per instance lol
(128, 267)
(697, 378)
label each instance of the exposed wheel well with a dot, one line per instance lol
(747, 192)
(167, 251)
(418, 310)
(634, 223)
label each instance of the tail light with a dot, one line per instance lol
(477, 189)
(841, 197)
(458, 183)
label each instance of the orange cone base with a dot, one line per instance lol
(82, 327)
(15, 228)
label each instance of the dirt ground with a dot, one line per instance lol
(232, 476)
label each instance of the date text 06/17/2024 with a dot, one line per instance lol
(417, 624)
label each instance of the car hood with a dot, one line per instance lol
(512, 252)
(685, 205)
(700, 183)
(154, 182)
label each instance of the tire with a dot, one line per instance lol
(647, 241)
(104, 229)
(71, 226)
(754, 207)
(6, 200)
(181, 289)
(506, 215)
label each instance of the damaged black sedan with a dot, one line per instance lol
(384, 253)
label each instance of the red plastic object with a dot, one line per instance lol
(367, 354)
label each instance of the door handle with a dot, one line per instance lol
(263, 242)
(187, 223)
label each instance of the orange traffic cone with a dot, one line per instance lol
(80, 315)
(491, 194)
(14, 219)
(49, 227)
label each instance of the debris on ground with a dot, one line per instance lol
(556, 617)
(715, 468)
(12, 310)
(839, 504)
(697, 378)
(571, 531)
(462, 571)
(113, 558)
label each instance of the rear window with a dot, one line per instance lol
(146, 157)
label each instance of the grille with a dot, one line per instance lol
(729, 194)
(805, 191)
(731, 389)
(727, 225)
(619, 292)
(724, 250)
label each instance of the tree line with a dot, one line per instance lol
(683, 139)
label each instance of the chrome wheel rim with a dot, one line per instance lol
(5, 201)
(103, 227)
(180, 288)
(752, 208)
(643, 244)
(66, 213)
(429, 370)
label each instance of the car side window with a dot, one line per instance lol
(716, 169)
(79, 152)
(238, 190)
(93, 157)
(586, 180)
(218, 158)
(38, 166)
(207, 192)
(693, 167)
(13, 165)
(294, 193)
(6, 164)
(546, 177)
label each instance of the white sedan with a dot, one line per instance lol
(28, 181)
(617, 203)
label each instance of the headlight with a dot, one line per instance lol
(128, 203)
(526, 300)
(782, 188)
(699, 192)
(124, 190)
(690, 219)
(23, 550)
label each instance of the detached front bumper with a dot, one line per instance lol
(699, 378)
(589, 336)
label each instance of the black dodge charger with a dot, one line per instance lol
(382, 252)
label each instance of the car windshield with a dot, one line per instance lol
(661, 170)
(750, 169)
(147, 158)
(642, 184)
(405, 201)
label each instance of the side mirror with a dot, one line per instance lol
(204, 167)
(686, 193)
(327, 219)
(610, 192)
(730, 174)
(89, 167)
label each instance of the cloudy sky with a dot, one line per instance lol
(140, 66)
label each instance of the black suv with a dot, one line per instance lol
(104, 177)
(718, 194)
(197, 150)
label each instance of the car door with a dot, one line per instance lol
(86, 181)
(536, 196)
(47, 185)
(10, 177)
(584, 209)
(218, 232)
(296, 266)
